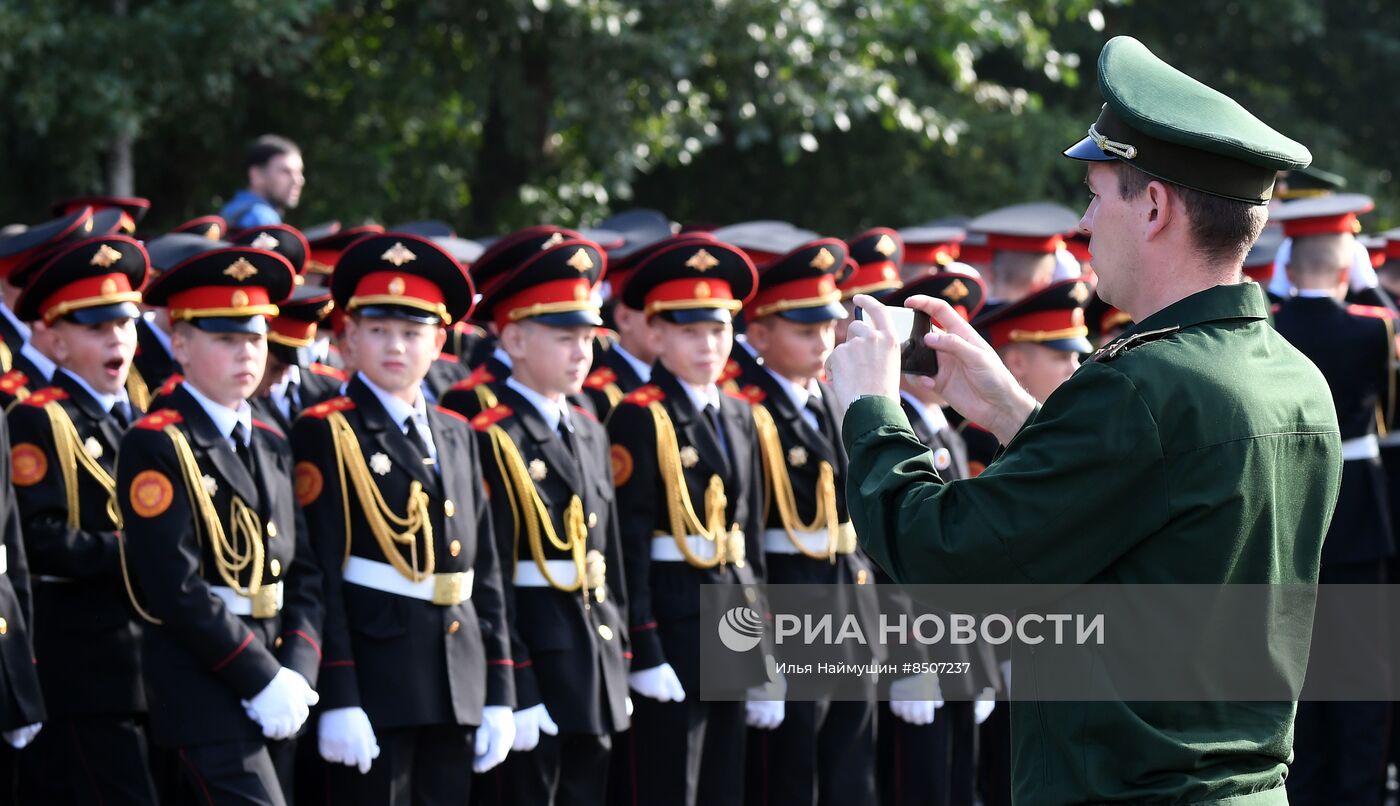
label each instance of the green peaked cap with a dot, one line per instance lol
(1171, 126)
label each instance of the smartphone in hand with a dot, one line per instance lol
(915, 357)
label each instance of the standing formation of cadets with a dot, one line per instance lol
(263, 540)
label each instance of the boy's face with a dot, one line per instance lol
(394, 354)
(696, 353)
(225, 367)
(794, 350)
(551, 360)
(100, 354)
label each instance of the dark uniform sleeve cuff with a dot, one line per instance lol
(249, 668)
(869, 413)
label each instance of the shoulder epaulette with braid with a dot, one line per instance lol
(322, 410)
(13, 381)
(753, 394)
(160, 419)
(1373, 311)
(328, 371)
(479, 376)
(645, 396)
(168, 388)
(44, 396)
(456, 415)
(271, 429)
(490, 417)
(1132, 342)
(600, 378)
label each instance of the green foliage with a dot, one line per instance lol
(493, 114)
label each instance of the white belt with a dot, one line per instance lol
(528, 574)
(1367, 447)
(665, 549)
(265, 604)
(777, 541)
(440, 589)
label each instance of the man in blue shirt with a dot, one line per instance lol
(275, 180)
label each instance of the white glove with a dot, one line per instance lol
(629, 706)
(658, 683)
(916, 698)
(529, 723)
(494, 737)
(282, 706)
(20, 737)
(346, 737)
(983, 709)
(764, 714)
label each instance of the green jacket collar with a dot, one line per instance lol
(1237, 301)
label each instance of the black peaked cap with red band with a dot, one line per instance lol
(224, 289)
(691, 278)
(396, 275)
(89, 281)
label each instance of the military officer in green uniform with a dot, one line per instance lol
(1179, 175)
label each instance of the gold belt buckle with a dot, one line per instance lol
(265, 600)
(846, 538)
(447, 588)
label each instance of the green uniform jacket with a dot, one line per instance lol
(1205, 449)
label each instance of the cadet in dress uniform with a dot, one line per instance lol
(549, 473)
(21, 701)
(417, 677)
(129, 209)
(85, 297)
(685, 461)
(1181, 494)
(824, 751)
(928, 750)
(873, 267)
(1340, 746)
(473, 394)
(929, 249)
(215, 546)
(1022, 241)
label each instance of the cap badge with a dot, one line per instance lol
(214, 232)
(325, 310)
(823, 260)
(105, 256)
(241, 269)
(1076, 317)
(887, 273)
(702, 261)
(87, 225)
(702, 290)
(398, 254)
(109, 287)
(553, 240)
(580, 261)
(956, 291)
(885, 246)
(1080, 293)
(397, 286)
(827, 285)
(239, 299)
(265, 240)
(581, 292)
(379, 463)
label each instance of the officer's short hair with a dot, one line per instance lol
(1224, 229)
(1019, 269)
(262, 150)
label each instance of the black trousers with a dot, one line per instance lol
(570, 769)
(228, 774)
(927, 765)
(88, 759)
(687, 753)
(994, 757)
(419, 766)
(823, 753)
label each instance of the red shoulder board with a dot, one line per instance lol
(159, 420)
(491, 416)
(322, 410)
(13, 381)
(732, 371)
(168, 388)
(44, 396)
(479, 376)
(447, 359)
(645, 396)
(736, 395)
(329, 371)
(268, 428)
(753, 394)
(1373, 311)
(451, 413)
(600, 377)
(585, 412)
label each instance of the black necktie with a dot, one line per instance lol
(565, 435)
(712, 415)
(121, 413)
(293, 403)
(415, 438)
(814, 405)
(240, 447)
